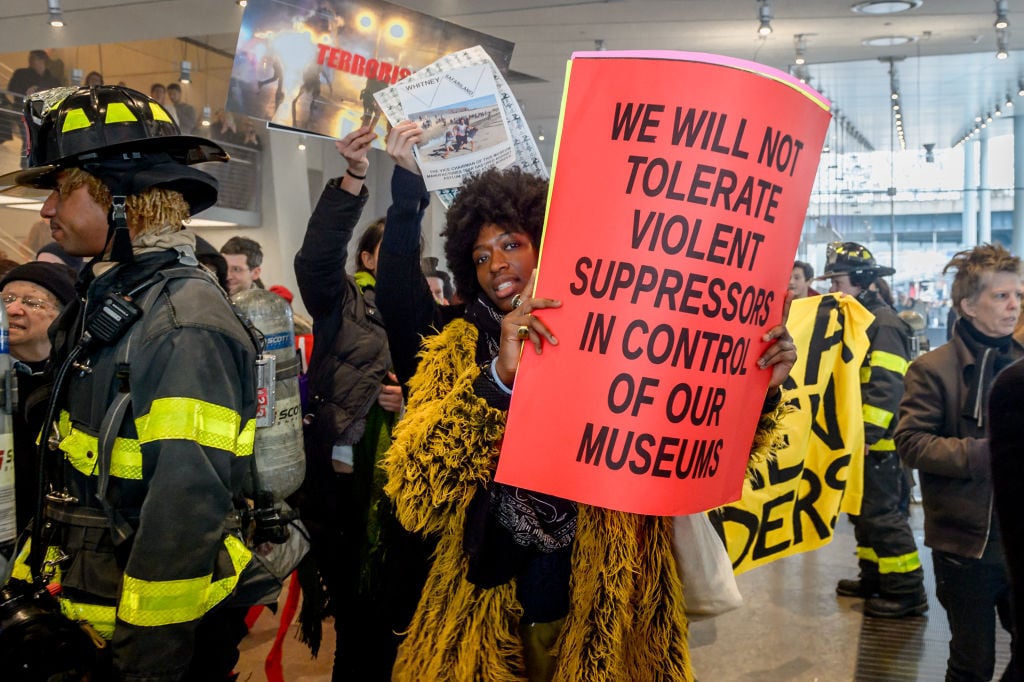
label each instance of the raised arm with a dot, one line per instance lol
(320, 262)
(403, 296)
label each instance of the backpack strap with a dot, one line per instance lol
(120, 529)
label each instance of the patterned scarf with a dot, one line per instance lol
(502, 518)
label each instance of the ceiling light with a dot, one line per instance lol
(1001, 44)
(764, 15)
(801, 49)
(56, 16)
(1002, 22)
(885, 6)
(888, 41)
(540, 133)
(1009, 101)
(205, 120)
(998, 112)
(186, 72)
(241, 3)
(76, 76)
(302, 143)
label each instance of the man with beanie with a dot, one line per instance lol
(891, 578)
(154, 398)
(34, 294)
(943, 433)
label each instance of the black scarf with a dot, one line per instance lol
(505, 525)
(992, 354)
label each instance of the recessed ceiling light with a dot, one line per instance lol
(887, 41)
(885, 6)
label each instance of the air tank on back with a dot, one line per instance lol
(280, 461)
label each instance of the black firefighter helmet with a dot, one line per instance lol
(121, 136)
(853, 259)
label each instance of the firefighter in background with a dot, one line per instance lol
(141, 531)
(891, 578)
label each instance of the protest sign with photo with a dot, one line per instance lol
(471, 121)
(678, 195)
(315, 66)
(792, 503)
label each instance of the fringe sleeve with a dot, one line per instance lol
(448, 440)
(768, 437)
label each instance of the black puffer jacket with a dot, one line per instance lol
(350, 350)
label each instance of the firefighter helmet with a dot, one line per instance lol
(125, 138)
(851, 258)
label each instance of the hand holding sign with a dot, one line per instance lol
(781, 355)
(354, 147)
(520, 325)
(401, 141)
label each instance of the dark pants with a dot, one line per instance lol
(217, 639)
(373, 598)
(883, 529)
(973, 592)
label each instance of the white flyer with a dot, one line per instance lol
(470, 118)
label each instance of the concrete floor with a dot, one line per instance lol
(792, 628)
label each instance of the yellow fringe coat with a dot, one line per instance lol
(626, 621)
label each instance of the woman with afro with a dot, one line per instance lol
(524, 586)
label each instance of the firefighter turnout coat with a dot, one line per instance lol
(144, 520)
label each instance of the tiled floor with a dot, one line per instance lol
(792, 628)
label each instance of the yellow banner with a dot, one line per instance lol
(793, 503)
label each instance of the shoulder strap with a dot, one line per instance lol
(120, 529)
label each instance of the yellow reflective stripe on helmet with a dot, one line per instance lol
(159, 113)
(118, 112)
(876, 416)
(153, 603)
(883, 445)
(101, 618)
(899, 564)
(205, 423)
(81, 449)
(867, 554)
(76, 119)
(889, 361)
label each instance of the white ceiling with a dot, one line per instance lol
(947, 76)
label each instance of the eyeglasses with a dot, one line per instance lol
(28, 302)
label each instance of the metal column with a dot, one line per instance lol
(969, 225)
(984, 192)
(1017, 241)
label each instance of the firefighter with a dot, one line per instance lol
(154, 397)
(891, 578)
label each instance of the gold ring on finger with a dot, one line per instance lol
(523, 332)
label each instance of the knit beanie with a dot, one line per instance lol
(54, 277)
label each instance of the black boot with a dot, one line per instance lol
(897, 605)
(860, 588)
